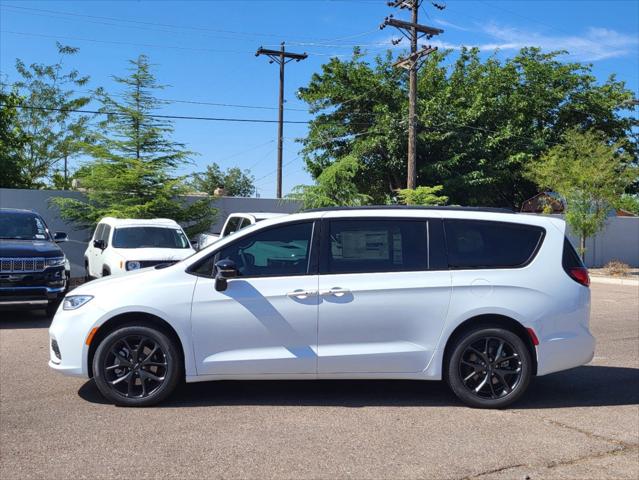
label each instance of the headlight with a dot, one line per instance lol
(73, 302)
(133, 265)
(55, 261)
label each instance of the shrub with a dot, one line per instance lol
(617, 268)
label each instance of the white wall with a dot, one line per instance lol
(619, 240)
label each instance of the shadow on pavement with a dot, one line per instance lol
(19, 319)
(580, 387)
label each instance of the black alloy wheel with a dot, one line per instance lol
(489, 368)
(136, 366)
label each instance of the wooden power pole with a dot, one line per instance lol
(280, 57)
(413, 31)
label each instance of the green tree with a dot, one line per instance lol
(12, 140)
(134, 160)
(591, 173)
(334, 187)
(629, 202)
(425, 196)
(236, 183)
(481, 121)
(53, 132)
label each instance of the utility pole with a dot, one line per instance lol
(280, 57)
(413, 31)
(66, 171)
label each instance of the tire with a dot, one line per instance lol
(477, 376)
(120, 371)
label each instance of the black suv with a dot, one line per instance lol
(33, 269)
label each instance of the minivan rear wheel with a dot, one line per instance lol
(137, 366)
(489, 367)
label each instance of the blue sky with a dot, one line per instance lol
(205, 51)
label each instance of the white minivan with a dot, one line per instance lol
(120, 245)
(480, 298)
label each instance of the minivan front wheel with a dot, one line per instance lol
(489, 368)
(136, 366)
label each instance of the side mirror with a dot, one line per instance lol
(60, 237)
(99, 244)
(225, 269)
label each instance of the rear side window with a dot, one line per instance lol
(485, 244)
(362, 246)
(570, 258)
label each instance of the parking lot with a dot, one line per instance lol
(582, 423)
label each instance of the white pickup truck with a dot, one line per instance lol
(234, 222)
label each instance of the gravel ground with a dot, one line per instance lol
(582, 423)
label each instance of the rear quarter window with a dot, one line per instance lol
(485, 244)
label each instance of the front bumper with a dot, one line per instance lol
(32, 289)
(69, 329)
(30, 297)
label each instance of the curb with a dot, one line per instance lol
(615, 281)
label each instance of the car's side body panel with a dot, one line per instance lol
(169, 299)
(385, 322)
(390, 325)
(255, 326)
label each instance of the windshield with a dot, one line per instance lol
(22, 226)
(149, 237)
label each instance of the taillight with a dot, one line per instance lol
(580, 275)
(573, 265)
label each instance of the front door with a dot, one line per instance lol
(383, 295)
(265, 322)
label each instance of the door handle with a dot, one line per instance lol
(301, 294)
(337, 291)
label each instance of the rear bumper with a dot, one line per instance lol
(565, 351)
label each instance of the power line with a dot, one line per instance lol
(149, 45)
(243, 152)
(299, 122)
(275, 171)
(232, 105)
(196, 102)
(266, 155)
(40, 11)
(115, 42)
(174, 117)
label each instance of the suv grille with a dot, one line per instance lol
(22, 265)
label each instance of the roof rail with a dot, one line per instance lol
(414, 207)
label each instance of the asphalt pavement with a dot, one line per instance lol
(582, 423)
